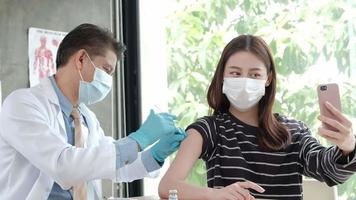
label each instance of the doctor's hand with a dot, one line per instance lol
(343, 137)
(155, 126)
(236, 191)
(167, 144)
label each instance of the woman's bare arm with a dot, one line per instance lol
(188, 154)
(174, 178)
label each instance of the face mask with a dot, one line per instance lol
(95, 91)
(243, 93)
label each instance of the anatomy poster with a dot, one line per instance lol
(42, 51)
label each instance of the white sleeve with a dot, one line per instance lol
(134, 171)
(27, 125)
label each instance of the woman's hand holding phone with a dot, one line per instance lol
(342, 134)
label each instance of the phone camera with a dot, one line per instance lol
(323, 87)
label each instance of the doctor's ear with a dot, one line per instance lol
(79, 59)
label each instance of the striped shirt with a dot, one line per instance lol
(231, 154)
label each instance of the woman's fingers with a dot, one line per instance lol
(238, 192)
(338, 114)
(245, 193)
(238, 196)
(251, 185)
(332, 136)
(346, 142)
(332, 122)
(233, 193)
(343, 136)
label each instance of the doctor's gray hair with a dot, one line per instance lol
(93, 39)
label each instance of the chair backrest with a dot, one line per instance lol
(313, 190)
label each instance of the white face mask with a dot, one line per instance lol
(243, 93)
(95, 91)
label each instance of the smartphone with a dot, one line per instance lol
(329, 92)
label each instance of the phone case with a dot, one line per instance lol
(328, 92)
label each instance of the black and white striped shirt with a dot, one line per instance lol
(231, 154)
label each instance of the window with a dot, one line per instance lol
(312, 42)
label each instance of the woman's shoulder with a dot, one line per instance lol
(211, 120)
(290, 123)
(204, 122)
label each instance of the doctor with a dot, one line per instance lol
(52, 145)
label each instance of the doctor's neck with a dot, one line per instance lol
(68, 82)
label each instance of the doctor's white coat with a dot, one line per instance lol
(34, 151)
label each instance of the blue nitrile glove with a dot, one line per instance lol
(167, 144)
(153, 128)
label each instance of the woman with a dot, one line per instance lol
(249, 151)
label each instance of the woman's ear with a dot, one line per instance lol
(269, 79)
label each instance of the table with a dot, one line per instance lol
(137, 198)
(147, 198)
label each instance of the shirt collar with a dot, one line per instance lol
(65, 104)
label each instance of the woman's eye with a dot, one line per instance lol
(255, 75)
(235, 73)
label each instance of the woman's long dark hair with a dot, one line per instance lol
(272, 135)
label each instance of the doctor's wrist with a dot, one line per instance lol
(150, 163)
(141, 139)
(157, 156)
(126, 151)
(138, 147)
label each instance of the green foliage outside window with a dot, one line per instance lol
(300, 33)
